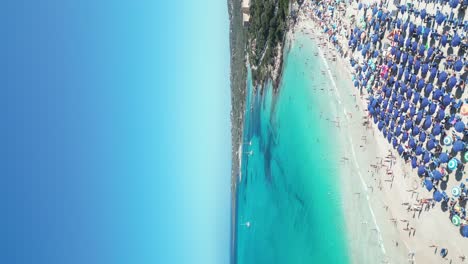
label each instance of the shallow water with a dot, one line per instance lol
(290, 208)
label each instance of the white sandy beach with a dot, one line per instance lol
(381, 194)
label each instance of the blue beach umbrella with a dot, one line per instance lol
(428, 88)
(400, 149)
(432, 108)
(394, 142)
(446, 100)
(389, 137)
(419, 150)
(442, 77)
(464, 231)
(453, 3)
(428, 183)
(437, 196)
(401, 120)
(422, 136)
(412, 143)
(427, 123)
(415, 131)
(414, 162)
(437, 94)
(427, 157)
(456, 40)
(416, 97)
(440, 115)
(436, 175)
(452, 82)
(419, 117)
(421, 170)
(431, 144)
(440, 18)
(424, 102)
(459, 126)
(436, 129)
(398, 131)
(458, 65)
(404, 137)
(443, 157)
(408, 124)
(412, 110)
(420, 84)
(458, 146)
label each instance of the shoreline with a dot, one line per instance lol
(392, 197)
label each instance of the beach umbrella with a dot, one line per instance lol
(440, 115)
(465, 156)
(424, 102)
(420, 84)
(442, 77)
(437, 94)
(403, 88)
(453, 3)
(405, 106)
(412, 110)
(464, 109)
(408, 124)
(432, 108)
(458, 146)
(394, 142)
(414, 162)
(428, 183)
(452, 164)
(440, 18)
(456, 40)
(398, 131)
(411, 143)
(433, 72)
(436, 129)
(427, 157)
(419, 117)
(446, 100)
(430, 144)
(380, 125)
(384, 131)
(443, 157)
(416, 97)
(456, 220)
(400, 149)
(422, 136)
(447, 140)
(424, 69)
(437, 175)
(459, 126)
(458, 65)
(437, 196)
(456, 191)
(405, 137)
(419, 150)
(427, 123)
(428, 88)
(389, 137)
(415, 130)
(464, 231)
(421, 170)
(452, 81)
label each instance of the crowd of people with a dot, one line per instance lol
(411, 60)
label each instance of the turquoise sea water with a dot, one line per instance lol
(289, 192)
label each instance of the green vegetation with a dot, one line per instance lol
(268, 19)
